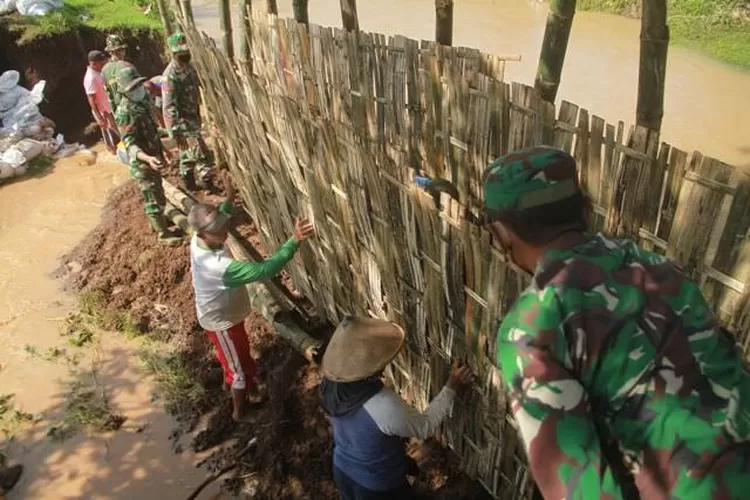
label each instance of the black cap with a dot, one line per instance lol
(97, 56)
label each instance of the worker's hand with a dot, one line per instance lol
(460, 376)
(154, 162)
(228, 186)
(303, 229)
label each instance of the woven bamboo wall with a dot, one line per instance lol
(334, 125)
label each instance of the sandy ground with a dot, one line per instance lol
(41, 218)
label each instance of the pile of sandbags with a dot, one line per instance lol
(19, 109)
(30, 7)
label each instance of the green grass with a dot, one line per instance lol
(98, 14)
(718, 28)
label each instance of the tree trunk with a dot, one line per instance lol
(653, 65)
(166, 21)
(247, 6)
(554, 46)
(273, 7)
(349, 15)
(300, 11)
(444, 22)
(225, 13)
(187, 11)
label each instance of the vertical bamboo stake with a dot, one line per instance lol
(653, 64)
(247, 9)
(164, 15)
(300, 11)
(273, 7)
(187, 11)
(225, 14)
(349, 15)
(444, 22)
(554, 46)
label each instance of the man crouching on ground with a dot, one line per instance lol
(221, 299)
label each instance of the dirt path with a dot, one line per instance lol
(40, 219)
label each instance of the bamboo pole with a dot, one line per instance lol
(554, 47)
(273, 7)
(227, 38)
(187, 11)
(164, 15)
(245, 46)
(349, 15)
(653, 64)
(300, 11)
(444, 22)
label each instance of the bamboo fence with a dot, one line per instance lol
(334, 125)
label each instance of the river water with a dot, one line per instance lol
(707, 103)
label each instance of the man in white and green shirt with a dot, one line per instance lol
(221, 298)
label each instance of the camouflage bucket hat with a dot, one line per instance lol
(128, 78)
(114, 42)
(528, 178)
(177, 43)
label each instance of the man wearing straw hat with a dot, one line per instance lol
(621, 380)
(370, 421)
(221, 298)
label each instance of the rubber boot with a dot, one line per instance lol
(159, 223)
(9, 476)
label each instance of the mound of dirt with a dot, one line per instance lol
(121, 263)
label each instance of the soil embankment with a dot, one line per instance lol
(120, 263)
(60, 60)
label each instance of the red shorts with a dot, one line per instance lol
(233, 351)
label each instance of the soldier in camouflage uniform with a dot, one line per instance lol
(621, 381)
(141, 138)
(116, 49)
(181, 104)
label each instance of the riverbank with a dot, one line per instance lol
(718, 28)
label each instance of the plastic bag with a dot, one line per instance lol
(37, 7)
(6, 171)
(30, 148)
(13, 157)
(7, 6)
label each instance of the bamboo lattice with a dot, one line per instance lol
(334, 125)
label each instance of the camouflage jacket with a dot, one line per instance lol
(181, 100)
(138, 129)
(612, 340)
(109, 72)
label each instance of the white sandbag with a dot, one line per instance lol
(37, 7)
(21, 169)
(13, 157)
(30, 148)
(37, 93)
(7, 6)
(9, 80)
(6, 171)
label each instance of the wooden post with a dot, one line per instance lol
(554, 46)
(247, 9)
(444, 22)
(225, 19)
(349, 15)
(187, 11)
(164, 15)
(300, 11)
(653, 65)
(273, 7)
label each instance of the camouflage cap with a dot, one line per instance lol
(177, 43)
(128, 78)
(528, 178)
(114, 42)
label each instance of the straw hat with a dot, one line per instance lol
(361, 347)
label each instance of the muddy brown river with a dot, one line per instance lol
(707, 103)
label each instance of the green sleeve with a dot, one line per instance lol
(241, 273)
(549, 403)
(126, 125)
(225, 207)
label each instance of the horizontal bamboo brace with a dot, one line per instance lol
(459, 144)
(477, 298)
(709, 183)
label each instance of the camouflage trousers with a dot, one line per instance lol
(149, 182)
(196, 156)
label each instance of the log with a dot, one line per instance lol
(554, 47)
(444, 22)
(652, 70)
(300, 11)
(225, 18)
(166, 21)
(349, 16)
(247, 12)
(270, 304)
(272, 7)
